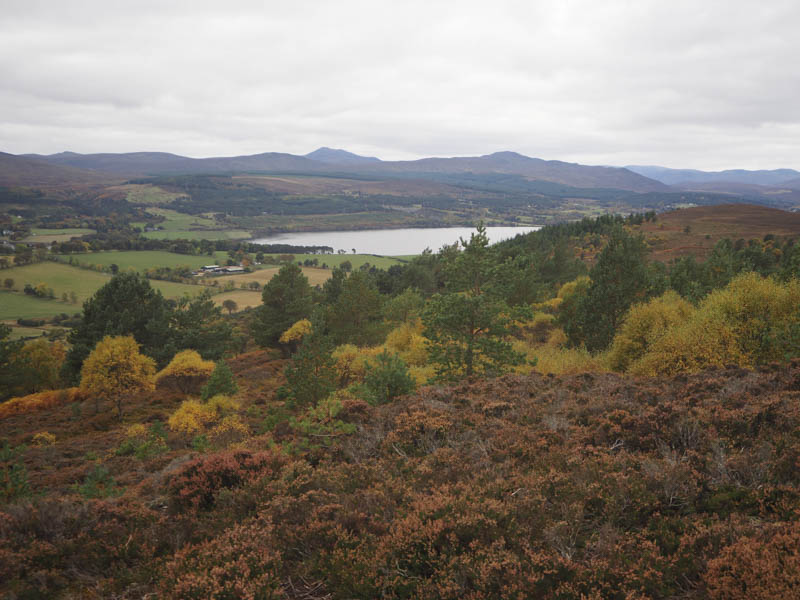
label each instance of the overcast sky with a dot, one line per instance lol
(703, 83)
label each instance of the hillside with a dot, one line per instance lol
(592, 485)
(685, 177)
(22, 171)
(159, 163)
(330, 161)
(668, 236)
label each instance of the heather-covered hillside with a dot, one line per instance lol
(590, 486)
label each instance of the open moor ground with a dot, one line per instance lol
(707, 225)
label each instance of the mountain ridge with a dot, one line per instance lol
(505, 162)
(685, 177)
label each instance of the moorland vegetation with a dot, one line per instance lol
(556, 416)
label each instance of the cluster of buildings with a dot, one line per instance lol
(219, 270)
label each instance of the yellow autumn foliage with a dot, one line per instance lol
(569, 288)
(350, 362)
(644, 325)
(44, 438)
(186, 364)
(116, 369)
(193, 416)
(422, 374)
(552, 358)
(732, 326)
(230, 430)
(42, 362)
(751, 305)
(137, 430)
(408, 343)
(296, 332)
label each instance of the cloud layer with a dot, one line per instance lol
(709, 84)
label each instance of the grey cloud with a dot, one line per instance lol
(708, 84)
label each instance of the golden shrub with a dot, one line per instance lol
(137, 430)
(700, 343)
(222, 404)
(350, 362)
(296, 332)
(644, 325)
(547, 358)
(40, 401)
(193, 416)
(751, 306)
(44, 438)
(230, 430)
(408, 343)
(571, 287)
(732, 326)
(557, 338)
(423, 374)
(185, 366)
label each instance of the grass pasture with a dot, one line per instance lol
(65, 278)
(61, 278)
(244, 299)
(25, 333)
(48, 236)
(142, 260)
(191, 227)
(16, 305)
(148, 194)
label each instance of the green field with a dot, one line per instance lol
(48, 236)
(144, 259)
(148, 194)
(191, 227)
(16, 305)
(25, 333)
(356, 260)
(65, 278)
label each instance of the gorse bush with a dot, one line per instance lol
(229, 431)
(44, 438)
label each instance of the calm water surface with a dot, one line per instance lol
(390, 242)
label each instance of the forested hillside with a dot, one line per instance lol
(561, 415)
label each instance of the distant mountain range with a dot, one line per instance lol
(685, 177)
(73, 168)
(330, 161)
